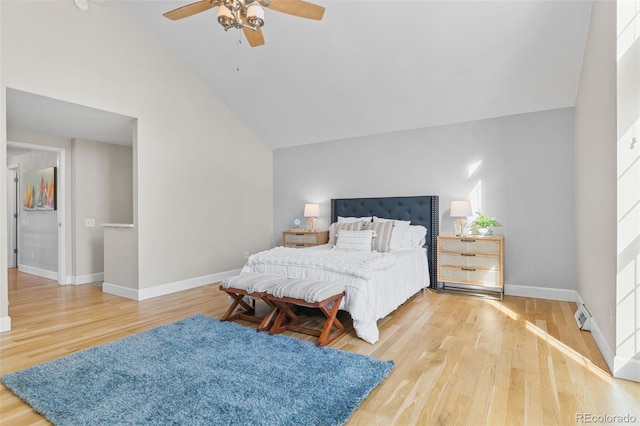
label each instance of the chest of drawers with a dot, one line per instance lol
(474, 263)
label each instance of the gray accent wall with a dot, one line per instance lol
(518, 168)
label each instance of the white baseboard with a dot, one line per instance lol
(5, 324)
(541, 293)
(622, 368)
(118, 290)
(87, 279)
(52, 275)
(625, 368)
(162, 290)
(608, 354)
(70, 279)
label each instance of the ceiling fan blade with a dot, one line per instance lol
(299, 8)
(189, 10)
(255, 38)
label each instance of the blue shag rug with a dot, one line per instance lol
(200, 371)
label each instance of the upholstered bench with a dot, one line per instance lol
(280, 293)
(310, 293)
(253, 285)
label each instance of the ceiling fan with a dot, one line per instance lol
(248, 14)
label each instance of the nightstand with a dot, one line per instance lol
(302, 238)
(471, 263)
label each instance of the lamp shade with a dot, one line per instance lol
(255, 15)
(225, 17)
(311, 210)
(461, 208)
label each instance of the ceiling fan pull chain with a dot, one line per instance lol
(238, 52)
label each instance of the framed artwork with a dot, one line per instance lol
(39, 188)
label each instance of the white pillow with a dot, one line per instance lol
(353, 219)
(354, 240)
(399, 229)
(341, 219)
(414, 237)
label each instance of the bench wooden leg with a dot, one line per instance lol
(238, 300)
(246, 311)
(285, 313)
(275, 310)
(277, 318)
(329, 308)
(325, 337)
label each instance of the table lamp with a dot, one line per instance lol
(312, 211)
(460, 210)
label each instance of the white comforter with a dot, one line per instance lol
(376, 283)
(357, 263)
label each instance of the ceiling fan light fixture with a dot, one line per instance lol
(225, 17)
(233, 5)
(245, 15)
(255, 16)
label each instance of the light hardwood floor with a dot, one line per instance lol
(458, 360)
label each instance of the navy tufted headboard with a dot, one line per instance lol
(420, 210)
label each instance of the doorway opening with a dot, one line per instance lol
(59, 127)
(51, 251)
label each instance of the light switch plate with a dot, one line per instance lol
(90, 222)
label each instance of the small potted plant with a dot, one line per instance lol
(483, 225)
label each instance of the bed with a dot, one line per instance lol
(389, 278)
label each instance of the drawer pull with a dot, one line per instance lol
(299, 234)
(468, 241)
(467, 254)
(468, 269)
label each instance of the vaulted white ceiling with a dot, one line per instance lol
(373, 67)
(370, 67)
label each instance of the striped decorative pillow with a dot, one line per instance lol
(347, 226)
(384, 230)
(355, 240)
(399, 230)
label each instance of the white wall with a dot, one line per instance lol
(628, 189)
(200, 170)
(517, 168)
(102, 189)
(5, 320)
(595, 157)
